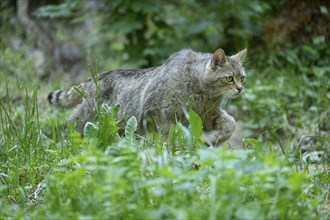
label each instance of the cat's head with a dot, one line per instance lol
(225, 75)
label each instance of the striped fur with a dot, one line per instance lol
(160, 96)
(66, 99)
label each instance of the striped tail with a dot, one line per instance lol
(65, 99)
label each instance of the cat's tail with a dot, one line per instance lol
(68, 98)
(74, 96)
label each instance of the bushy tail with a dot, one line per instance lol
(66, 99)
(73, 96)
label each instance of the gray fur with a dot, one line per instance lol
(187, 80)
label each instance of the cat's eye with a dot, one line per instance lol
(243, 78)
(229, 78)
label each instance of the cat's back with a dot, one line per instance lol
(127, 81)
(183, 56)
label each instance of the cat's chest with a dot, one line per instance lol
(203, 105)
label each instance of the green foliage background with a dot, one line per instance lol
(48, 171)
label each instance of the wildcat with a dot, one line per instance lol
(187, 80)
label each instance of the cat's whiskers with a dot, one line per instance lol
(225, 97)
(220, 94)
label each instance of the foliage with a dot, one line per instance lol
(133, 180)
(65, 9)
(129, 179)
(104, 132)
(27, 155)
(146, 31)
(142, 33)
(47, 170)
(136, 184)
(289, 88)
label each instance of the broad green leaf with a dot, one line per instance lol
(90, 130)
(131, 128)
(196, 124)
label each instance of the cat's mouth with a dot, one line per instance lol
(236, 94)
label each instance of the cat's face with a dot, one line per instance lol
(225, 76)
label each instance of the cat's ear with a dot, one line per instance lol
(239, 56)
(219, 58)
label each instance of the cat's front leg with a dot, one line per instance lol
(222, 128)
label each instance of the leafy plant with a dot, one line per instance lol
(226, 185)
(287, 89)
(104, 132)
(48, 170)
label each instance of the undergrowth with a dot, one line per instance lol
(105, 175)
(48, 171)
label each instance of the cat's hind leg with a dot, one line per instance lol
(82, 114)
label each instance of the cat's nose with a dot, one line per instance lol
(239, 88)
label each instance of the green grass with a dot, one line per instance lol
(56, 177)
(48, 171)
